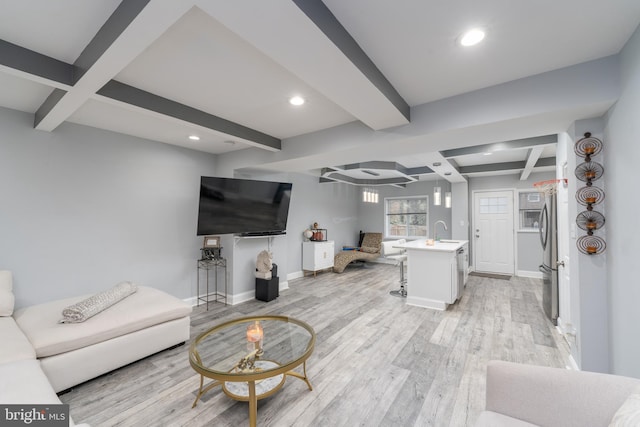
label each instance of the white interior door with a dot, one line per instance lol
(493, 232)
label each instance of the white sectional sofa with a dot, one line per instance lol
(40, 356)
(520, 395)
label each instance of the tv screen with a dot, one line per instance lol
(242, 206)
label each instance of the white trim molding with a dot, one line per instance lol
(530, 274)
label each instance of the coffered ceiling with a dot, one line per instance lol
(224, 71)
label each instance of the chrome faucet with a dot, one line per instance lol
(435, 232)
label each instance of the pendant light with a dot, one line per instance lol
(437, 190)
(447, 199)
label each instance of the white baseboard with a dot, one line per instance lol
(383, 260)
(244, 296)
(193, 301)
(531, 274)
(235, 299)
(295, 275)
(426, 303)
(568, 333)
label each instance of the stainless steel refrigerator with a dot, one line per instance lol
(548, 226)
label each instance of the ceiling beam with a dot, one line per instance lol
(322, 17)
(532, 158)
(501, 146)
(36, 66)
(377, 164)
(328, 51)
(117, 43)
(336, 176)
(51, 72)
(506, 166)
(133, 26)
(148, 101)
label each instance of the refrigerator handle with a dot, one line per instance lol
(543, 224)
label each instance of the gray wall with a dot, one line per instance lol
(460, 211)
(589, 273)
(622, 205)
(82, 209)
(528, 244)
(371, 215)
(331, 205)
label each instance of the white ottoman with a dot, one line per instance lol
(140, 325)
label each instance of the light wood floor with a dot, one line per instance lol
(377, 361)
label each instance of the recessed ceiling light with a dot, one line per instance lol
(472, 37)
(436, 164)
(296, 100)
(194, 137)
(487, 154)
(447, 173)
(230, 142)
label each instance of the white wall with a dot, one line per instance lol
(82, 209)
(622, 148)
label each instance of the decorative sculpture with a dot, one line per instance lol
(247, 364)
(264, 264)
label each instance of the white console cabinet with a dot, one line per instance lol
(317, 256)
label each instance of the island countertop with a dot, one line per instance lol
(440, 246)
(435, 274)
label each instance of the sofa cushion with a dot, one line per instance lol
(15, 345)
(7, 298)
(146, 307)
(629, 413)
(494, 419)
(87, 308)
(23, 382)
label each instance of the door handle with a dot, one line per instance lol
(560, 263)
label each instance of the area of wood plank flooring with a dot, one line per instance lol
(377, 361)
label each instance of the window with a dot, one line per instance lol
(406, 216)
(497, 205)
(530, 205)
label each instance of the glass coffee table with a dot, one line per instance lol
(251, 357)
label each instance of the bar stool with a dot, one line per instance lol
(400, 259)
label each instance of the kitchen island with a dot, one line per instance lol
(435, 274)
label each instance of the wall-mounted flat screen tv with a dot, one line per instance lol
(242, 206)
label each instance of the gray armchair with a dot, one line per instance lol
(369, 250)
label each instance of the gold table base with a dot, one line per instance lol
(253, 397)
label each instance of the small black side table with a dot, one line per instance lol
(267, 289)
